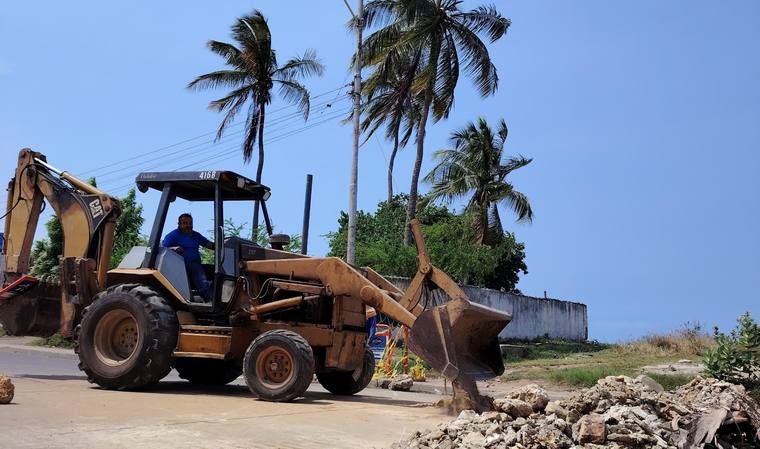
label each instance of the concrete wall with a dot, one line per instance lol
(531, 317)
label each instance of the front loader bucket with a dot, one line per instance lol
(36, 312)
(460, 339)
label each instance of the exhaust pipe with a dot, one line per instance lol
(306, 215)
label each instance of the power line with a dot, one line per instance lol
(87, 172)
(233, 152)
(271, 126)
(132, 171)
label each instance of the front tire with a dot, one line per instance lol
(278, 366)
(346, 383)
(126, 338)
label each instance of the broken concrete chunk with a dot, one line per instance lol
(405, 383)
(6, 389)
(650, 383)
(590, 429)
(532, 394)
(475, 439)
(513, 407)
(556, 408)
(618, 412)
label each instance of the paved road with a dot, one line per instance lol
(55, 407)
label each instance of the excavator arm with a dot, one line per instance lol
(87, 216)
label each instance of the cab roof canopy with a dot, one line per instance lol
(200, 185)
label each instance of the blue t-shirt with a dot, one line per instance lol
(188, 242)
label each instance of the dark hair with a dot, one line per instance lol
(184, 215)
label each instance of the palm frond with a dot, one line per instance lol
(477, 59)
(295, 93)
(378, 13)
(448, 76)
(486, 19)
(519, 204)
(229, 52)
(220, 78)
(301, 67)
(232, 104)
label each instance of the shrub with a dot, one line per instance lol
(736, 358)
(54, 341)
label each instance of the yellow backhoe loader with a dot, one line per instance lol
(275, 316)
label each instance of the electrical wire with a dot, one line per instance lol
(271, 126)
(233, 151)
(153, 151)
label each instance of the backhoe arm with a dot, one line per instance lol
(87, 216)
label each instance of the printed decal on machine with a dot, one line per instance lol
(209, 174)
(96, 209)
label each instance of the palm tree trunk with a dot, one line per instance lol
(390, 167)
(411, 208)
(259, 169)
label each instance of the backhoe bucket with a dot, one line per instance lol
(35, 312)
(460, 339)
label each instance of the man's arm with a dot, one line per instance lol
(203, 241)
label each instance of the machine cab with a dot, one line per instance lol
(213, 188)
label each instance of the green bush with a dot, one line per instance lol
(54, 341)
(450, 239)
(737, 357)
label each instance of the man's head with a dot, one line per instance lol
(185, 223)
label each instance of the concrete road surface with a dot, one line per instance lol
(55, 407)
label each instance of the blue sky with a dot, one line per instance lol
(643, 119)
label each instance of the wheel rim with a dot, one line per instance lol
(116, 337)
(274, 367)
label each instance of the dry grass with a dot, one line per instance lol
(689, 340)
(585, 368)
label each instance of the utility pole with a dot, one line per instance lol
(357, 94)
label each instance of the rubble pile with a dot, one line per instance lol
(6, 389)
(618, 412)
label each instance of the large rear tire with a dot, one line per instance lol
(126, 338)
(278, 366)
(208, 371)
(346, 383)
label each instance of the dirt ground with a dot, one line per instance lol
(55, 407)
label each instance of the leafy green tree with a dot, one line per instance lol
(477, 166)
(443, 35)
(252, 74)
(450, 239)
(45, 254)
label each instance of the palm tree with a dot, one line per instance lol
(390, 102)
(251, 74)
(477, 165)
(444, 35)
